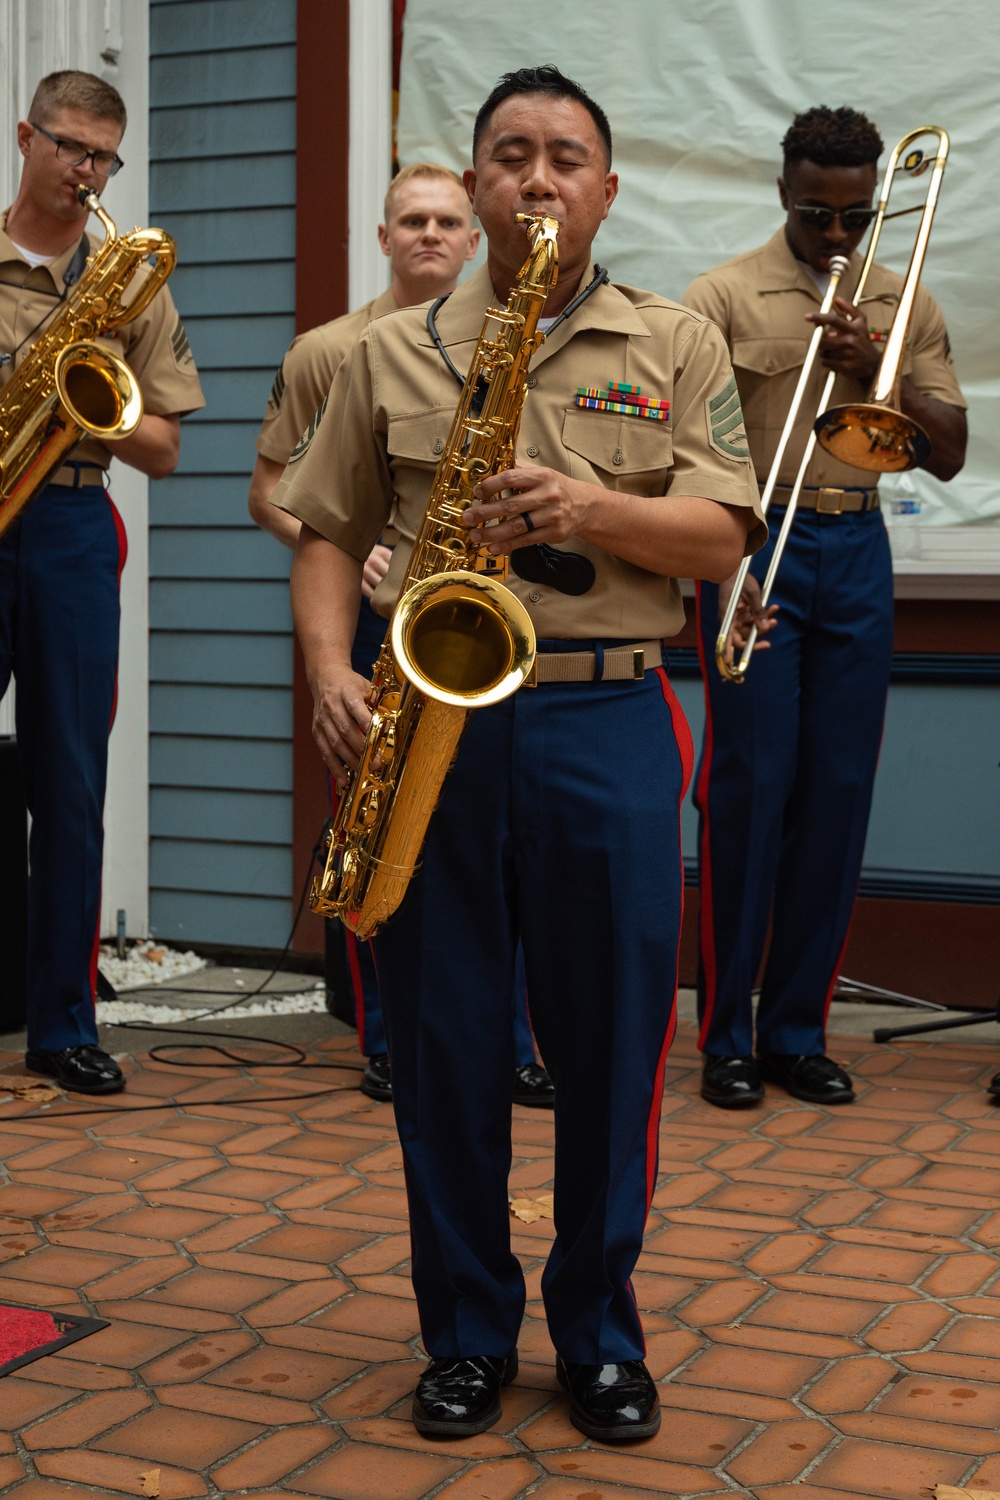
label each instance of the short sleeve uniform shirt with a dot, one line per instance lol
(154, 345)
(303, 382)
(374, 454)
(759, 300)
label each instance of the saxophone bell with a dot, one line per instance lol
(463, 639)
(97, 390)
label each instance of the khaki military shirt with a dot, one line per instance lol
(154, 345)
(759, 300)
(375, 452)
(303, 382)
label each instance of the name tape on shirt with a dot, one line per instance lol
(626, 400)
(727, 433)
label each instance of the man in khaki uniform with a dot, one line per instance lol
(785, 782)
(559, 821)
(428, 237)
(60, 564)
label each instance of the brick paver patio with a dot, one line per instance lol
(820, 1291)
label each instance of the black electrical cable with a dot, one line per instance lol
(300, 1058)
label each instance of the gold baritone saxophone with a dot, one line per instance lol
(68, 386)
(458, 639)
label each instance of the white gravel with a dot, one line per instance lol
(145, 964)
(309, 1002)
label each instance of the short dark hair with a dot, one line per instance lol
(832, 138)
(546, 79)
(71, 89)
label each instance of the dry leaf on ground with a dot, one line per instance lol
(30, 1090)
(151, 1482)
(949, 1492)
(530, 1209)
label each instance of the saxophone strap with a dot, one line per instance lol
(72, 275)
(567, 572)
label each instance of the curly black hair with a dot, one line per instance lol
(546, 79)
(832, 138)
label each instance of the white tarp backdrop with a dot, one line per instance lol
(699, 98)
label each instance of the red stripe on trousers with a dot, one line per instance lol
(706, 922)
(120, 533)
(685, 746)
(354, 968)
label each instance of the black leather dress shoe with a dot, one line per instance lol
(731, 1082)
(375, 1080)
(993, 1088)
(817, 1080)
(460, 1397)
(83, 1070)
(532, 1085)
(613, 1403)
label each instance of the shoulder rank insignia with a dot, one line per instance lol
(725, 420)
(277, 389)
(627, 400)
(302, 446)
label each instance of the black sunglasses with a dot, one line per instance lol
(815, 216)
(74, 154)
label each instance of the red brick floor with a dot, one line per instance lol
(820, 1292)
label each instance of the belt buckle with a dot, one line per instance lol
(830, 502)
(532, 678)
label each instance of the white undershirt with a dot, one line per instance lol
(31, 256)
(821, 278)
(545, 324)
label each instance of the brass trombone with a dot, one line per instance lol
(737, 671)
(875, 434)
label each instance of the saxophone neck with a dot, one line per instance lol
(540, 271)
(90, 200)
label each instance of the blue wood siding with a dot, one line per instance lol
(222, 181)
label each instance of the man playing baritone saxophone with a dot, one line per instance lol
(428, 237)
(559, 822)
(60, 564)
(785, 781)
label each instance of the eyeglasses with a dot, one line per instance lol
(106, 163)
(815, 216)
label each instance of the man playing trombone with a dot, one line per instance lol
(788, 762)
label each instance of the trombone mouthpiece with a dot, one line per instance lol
(838, 264)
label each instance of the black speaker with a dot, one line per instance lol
(14, 902)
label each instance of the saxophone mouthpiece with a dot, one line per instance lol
(85, 195)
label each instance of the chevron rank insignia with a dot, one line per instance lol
(302, 446)
(725, 420)
(626, 400)
(277, 389)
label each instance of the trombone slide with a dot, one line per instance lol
(737, 671)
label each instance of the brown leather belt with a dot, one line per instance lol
(827, 501)
(620, 664)
(74, 476)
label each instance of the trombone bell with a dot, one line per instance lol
(877, 438)
(874, 434)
